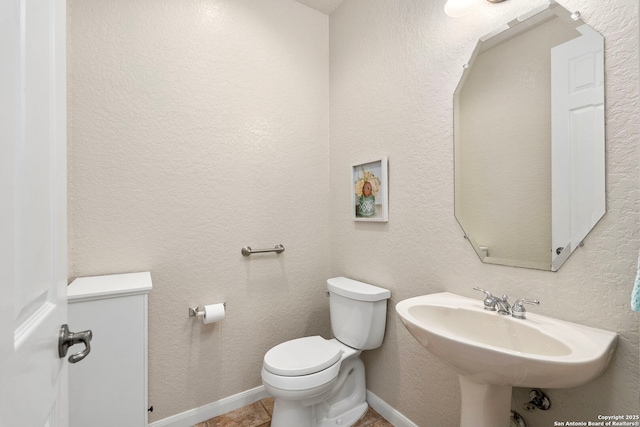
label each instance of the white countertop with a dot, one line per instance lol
(110, 286)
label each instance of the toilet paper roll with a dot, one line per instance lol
(213, 313)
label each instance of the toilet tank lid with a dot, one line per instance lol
(357, 290)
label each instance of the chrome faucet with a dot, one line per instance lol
(502, 306)
(491, 303)
(518, 310)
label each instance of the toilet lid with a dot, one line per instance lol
(302, 356)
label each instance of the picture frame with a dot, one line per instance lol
(370, 191)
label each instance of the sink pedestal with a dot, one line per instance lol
(484, 405)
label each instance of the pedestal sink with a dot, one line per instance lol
(493, 353)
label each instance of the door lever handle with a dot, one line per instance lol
(67, 339)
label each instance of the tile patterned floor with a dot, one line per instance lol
(259, 415)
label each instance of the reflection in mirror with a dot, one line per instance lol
(529, 140)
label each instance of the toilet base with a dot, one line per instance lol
(349, 418)
(343, 405)
(291, 413)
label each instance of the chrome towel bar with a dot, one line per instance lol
(246, 251)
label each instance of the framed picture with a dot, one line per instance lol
(370, 191)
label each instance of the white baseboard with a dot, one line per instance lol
(389, 414)
(222, 406)
(197, 415)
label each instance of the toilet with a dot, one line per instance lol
(317, 382)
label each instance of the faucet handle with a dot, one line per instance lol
(518, 311)
(489, 300)
(489, 294)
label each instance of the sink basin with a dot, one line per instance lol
(493, 352)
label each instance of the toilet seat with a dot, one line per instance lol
(302, 356)
(308, 363)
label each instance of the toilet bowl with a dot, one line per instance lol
(317, 382)
(296, 390)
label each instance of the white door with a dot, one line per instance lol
(33, 242)
(577, 140)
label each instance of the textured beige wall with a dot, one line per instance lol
(394, 68)
(197, 127)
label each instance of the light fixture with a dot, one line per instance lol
(458, 8)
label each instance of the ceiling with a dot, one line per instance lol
(324, 6)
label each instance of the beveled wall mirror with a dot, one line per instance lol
(529, 140)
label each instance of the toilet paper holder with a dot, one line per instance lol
(199, 312)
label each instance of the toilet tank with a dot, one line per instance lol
(358, 312)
